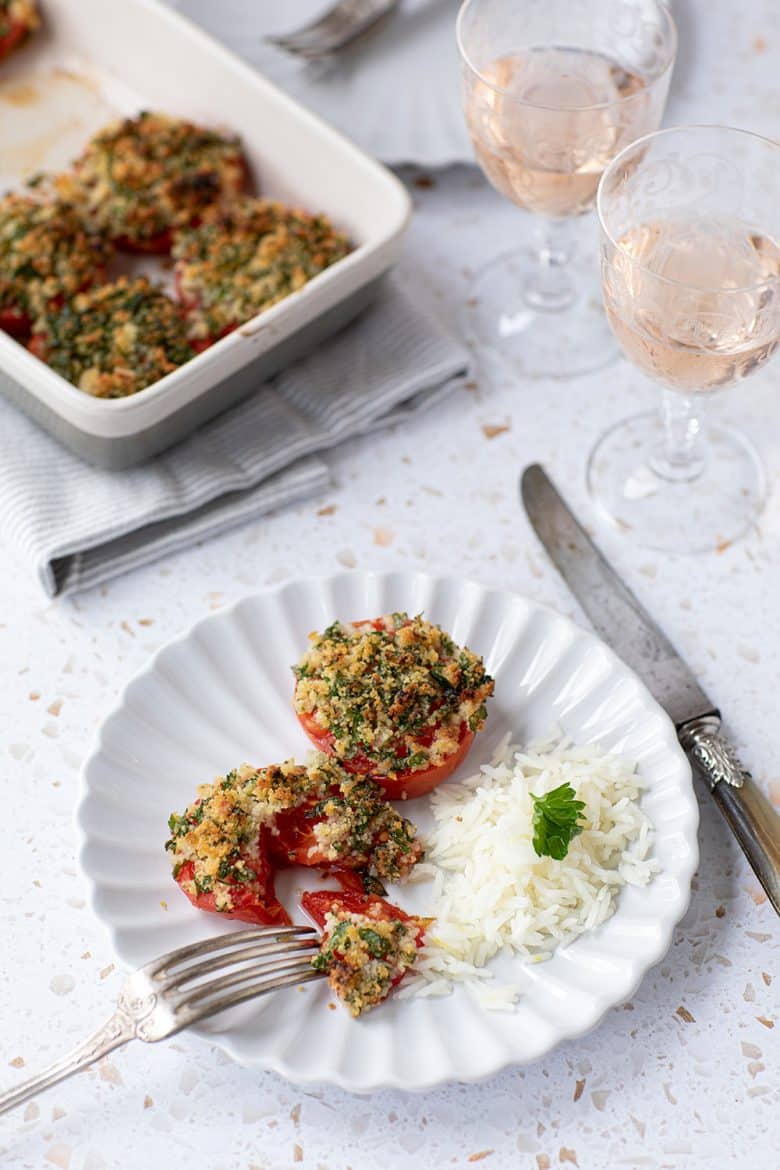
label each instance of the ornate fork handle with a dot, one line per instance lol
(187, 985)
(114, 1033)
(751, 817)
(130, 1020)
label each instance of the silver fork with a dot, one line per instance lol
(336, 28)
(178, 989)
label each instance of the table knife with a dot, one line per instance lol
(625, 625)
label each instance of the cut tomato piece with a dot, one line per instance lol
(367, 945)
(227, 845)
(254, 901)
(319, 903)
(293, 841)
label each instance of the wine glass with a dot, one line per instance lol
(690, 271)
(552, 91)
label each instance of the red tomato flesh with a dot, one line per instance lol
(254, 901)
(404, 785)
(37, 346)
(159, 245)
(319, 903)
(15, 36)
(293, 841)
(15, 322)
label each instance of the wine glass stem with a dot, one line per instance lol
(549, 285)
(680, 456)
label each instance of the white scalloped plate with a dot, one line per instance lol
(395, 92)
(221, 694)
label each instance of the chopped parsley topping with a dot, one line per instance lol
(47, 253)
(114, 340)
(146, 176)
(364, 957)
(244, 258)
(556, 821)
(395, 695)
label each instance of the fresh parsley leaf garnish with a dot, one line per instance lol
(556, 817)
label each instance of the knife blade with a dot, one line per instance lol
(621, 621)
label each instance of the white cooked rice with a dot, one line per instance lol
(491, 894)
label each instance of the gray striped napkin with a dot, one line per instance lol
(75, 525)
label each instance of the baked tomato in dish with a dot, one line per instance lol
(47, 255)
(368, 945)
(143, 178)
(113, 340)
(393, 698)
(227, 845)
(18, 20)
(244, 257)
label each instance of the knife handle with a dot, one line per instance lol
(749, 815)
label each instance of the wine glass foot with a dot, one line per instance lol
(504, 316)
(670, 513)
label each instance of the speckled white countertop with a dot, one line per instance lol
(685, 1075)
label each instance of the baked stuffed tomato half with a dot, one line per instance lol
(228, 844)
(394, 698)
(47, 255)
(113, 340)
(243, 258)
(19, 19)
(341, 822)
(368, 945)
(145, 177)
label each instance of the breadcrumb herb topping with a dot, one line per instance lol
(114, 340)
(351, 821)
(46, 253)
(364, 957)
(244, 258)
(397, 695)
(14, 13)
(148, 175)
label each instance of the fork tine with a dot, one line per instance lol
(167, 962)
(291, 966)
(311, 45)
(333, 30)
(336, 20)
(191, 1015)
(221, 959)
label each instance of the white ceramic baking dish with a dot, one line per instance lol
(98, 58)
